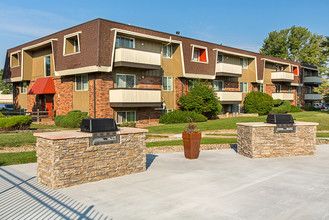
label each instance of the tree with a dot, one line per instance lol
(201, 99)
(258, 102)
(5, 88)
(298, 44)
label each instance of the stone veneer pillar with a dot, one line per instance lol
(65, 158)
(258, 140)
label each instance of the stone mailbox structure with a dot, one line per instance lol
(67, 158)
(260, 140)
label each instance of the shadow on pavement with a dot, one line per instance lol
(22, 197)
(149, 159)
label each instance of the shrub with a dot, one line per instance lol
(295, 109)
(128, 124)
(310, 108)
(15, 122)
(284, 108)
(258, 102)
(1, 115)
(71, 120)
(201, 99)
(178, 116)
(277, 102)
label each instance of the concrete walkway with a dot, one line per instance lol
(219, 185)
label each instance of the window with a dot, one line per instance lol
(167, 83)
(243, 86)
(307, 73)
(244, 63)
(47, 66)
(218, 85)
(71, 45)
(23, 87)
(199, 55)
(308, 90)
(279, 68)
(125, 81)
(125, 42)
(299, 90)
(81, 82)
(14, 61)
(290, 89)
(220, 58)
(260, 87)
(126, 116)
(277, 88)
(167, 51)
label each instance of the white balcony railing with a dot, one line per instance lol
(283, 96)
(282, 76)
(312, 79)
(229, 97)
(135, 97)
(227, 69)
(313, 96)
(130, 55)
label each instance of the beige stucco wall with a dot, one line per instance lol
(80, 100)
(173, 66)
(22, 100)
(39, 63)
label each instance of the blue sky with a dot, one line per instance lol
(241, 24)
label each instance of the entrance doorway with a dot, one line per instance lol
(47, 103)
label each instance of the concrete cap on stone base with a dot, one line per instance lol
(264, 124)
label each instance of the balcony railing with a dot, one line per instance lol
(283, 96)
(282, 76)
(313, 97)
(228, 69)
(135, 98)
(227, 97)
(131, 57)
(312, 80)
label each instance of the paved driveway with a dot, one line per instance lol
(219, 185)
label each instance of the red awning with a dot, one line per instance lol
(43, 86)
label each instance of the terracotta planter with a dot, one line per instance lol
(191, 145)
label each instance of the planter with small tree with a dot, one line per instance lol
(191, 139)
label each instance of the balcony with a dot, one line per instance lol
(315, 80)
(135, 98)
(130, 57)
(228, 69)
(227, 97)
(283, 96)
(313, 97)
(282, 76)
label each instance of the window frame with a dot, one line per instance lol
(45, 66)
(242, 59)
(76, 34)
(261, 86)
(22, 89)
(165, 78)
(199, 47)
(11, 59)
(242, 89)
(134, 43)
(124, 74)
(171, 51)
(290, 89)
(117, 114)
(76, 82)
(222, 82)
(278, 90)
(220, 54)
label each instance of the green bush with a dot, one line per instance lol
(15, 122)
(295, 109)
(128, 124)
(71, 120)
(277, 102)
(258, 102)
(1, 115)
(284, 108)
(178, 116)
(310, 108)
(201, 99)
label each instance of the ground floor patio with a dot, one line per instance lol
(221, 184)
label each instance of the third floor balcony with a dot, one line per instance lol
(314, 80)
(130, 57)
(313, 97)
(282, 76)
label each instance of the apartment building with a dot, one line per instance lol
(130, 73)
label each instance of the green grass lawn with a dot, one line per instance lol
(17, 139)
(223, 134)
(17, 158)
(322, 134)
(230, 123)
(203, 141)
